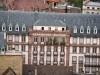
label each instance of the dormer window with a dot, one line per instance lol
(88, 29)
(23, 27)
(42, 28)
(3, 27)
(82, 29)
(75, 29)
(17, 27)
(95, 30)
(10, 27)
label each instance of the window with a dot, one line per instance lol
(41, 58)
(94, 41)
(95, 30)
(42, 49)
(9, 47)
(81, 40)
(10, 38)
(94, 50)
(23, 48)
(93, 69)
(48, 58)
(88, 41)
(87, 69)
(10, 27)
(75, 29)
(74, 40)
(94, 60)
(16, 38)
(62, 49)
(3, 27)
(35, 49)
(74, 69)
(74, 59)
(55, 58)
(17, 27)
(49, 28)
(74, 49)
(35, 58)
(16, 48)
(23, 38)
(80, 68)
(92, 7)
(61, 59)
(55, 49)
(80, 59)
(42, 39)
(87, 60)
(88, 29)
(23, 27)
(87, 50)
(42, 28)
(80, 50)
(63, 29)
(88, 7)
(98, 8)
(48, 49)
(35, 39)
(82, 29)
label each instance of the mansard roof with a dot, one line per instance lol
(71, 20)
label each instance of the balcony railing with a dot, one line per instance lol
(35, 52)
(42, 52)
(62, 62)
(48, 62)
(92, 64)
(62, 53)
(34, 61)
(41, 62)
(48, 53)
(42, 42)
(92, 54)
(55, 62)
(35, 42)
(55, 53)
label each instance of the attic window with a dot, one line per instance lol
(49, 28)
(75, 29)
(17, 27)
(81, 29)
(63, 29)
(42, 28)
(10, 27)
(95, 30)
(3, 27)
(88, 29)
(24, 28)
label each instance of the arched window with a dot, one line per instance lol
(3, 27)
(95, 30)
(75, 29)
(88, 29)
(82, 29)
(10, 27)
(17, 27)
(23, 27)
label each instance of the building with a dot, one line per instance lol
(91, 7)
(10, 64)
(2, 6)
(82, 38)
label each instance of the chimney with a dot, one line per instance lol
(13, 51)
(82, 73)
(35, 69)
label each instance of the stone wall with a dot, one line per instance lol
(12, 61)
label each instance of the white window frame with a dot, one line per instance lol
(48, 58)
(10, 27)
(95, 30)
(10, 38)
(75, 29)
(88, 29)
(82, 28)
(74, 59)
(17, 26)
(94, 40)
(16, 38)
(74, 40)
(3, 27)
(88, 41)
(15, 47)
(23, 27)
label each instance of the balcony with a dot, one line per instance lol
(35, 52)
(62, 53)
(42, 42)
(62, 43)
(35, 61)
(62, 62)
(92, 64)
(49, 42)
(48, 62)
(42, 53)
(92, 54)
(35, 42)
(48, 53)
(41, 62)
(55, 62)
(80, 62)
(55, 53)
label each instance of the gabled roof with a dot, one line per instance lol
(93, 4)
(9, 71)
(46, 22)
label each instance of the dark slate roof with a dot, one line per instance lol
(1, 3)
(47, 70)
(2, 40)
(70, 19)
